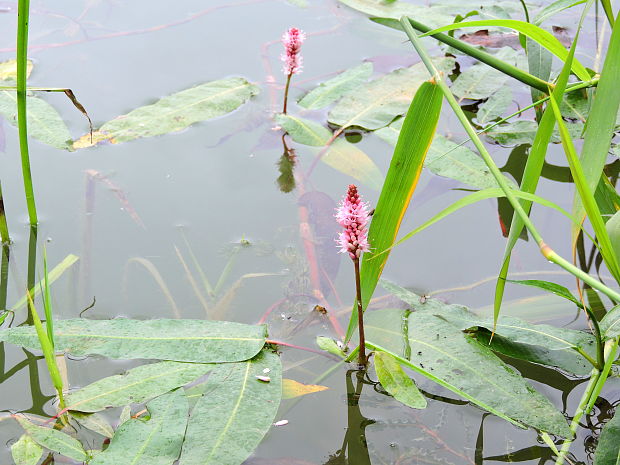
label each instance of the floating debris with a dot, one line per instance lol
(281, 423)
(264, 379)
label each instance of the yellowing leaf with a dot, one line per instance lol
(292, 388)
(8, 70)
(87, 141)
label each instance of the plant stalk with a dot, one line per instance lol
(286, 88)
(362, 360)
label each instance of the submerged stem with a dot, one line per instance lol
(362, 360)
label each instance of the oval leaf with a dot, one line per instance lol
(54, 440)
(330, 91)
(395, 381)
(167, 339)
(26, 452)
(229, 421)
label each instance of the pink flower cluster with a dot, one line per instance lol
(352, 214)
(292, 40)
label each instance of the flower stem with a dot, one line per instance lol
(362, 360)
(288, 84)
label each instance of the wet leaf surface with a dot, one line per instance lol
(54, 440)
(26, 451)
(396, 382)
(608, 449)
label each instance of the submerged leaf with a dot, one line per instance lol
(396, 382)
(156, 441)
(26, 451)
(292, 389)
(179, 340)
(54, 440)
(330, 91)
(229, 421)
(135, 386)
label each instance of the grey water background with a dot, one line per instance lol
(214, 183)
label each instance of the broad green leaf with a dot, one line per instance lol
(341, 155)
(480, 81)
(610, 324)
(539, 61)
(156, 441)
(554, 8)
(330, 91)
(230, 420)
(608, 448)
(329, 345)
(94, 422)
(495, 106)
(8, 70)
(26, 452)
(292, 389)
(54, 440)
(44, 122)
(396, 382)
(514, 133)
(178, 340)
(376, 103)
(458, 362)
(400, 183)
(448, 159)
(613, 230)
(542, 37)
(601, 123)
(432, 14)
(179, 111)
(418, 302)
(135, 386)
(554, 288)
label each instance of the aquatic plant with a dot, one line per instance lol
(292, 40)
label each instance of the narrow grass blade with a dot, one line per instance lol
(401, 180)
(152, 269)
(47, 301)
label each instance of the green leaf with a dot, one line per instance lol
(610, 324)
(135, 386)
(458, 362)
(26, 452)
(179, 111)
(554, 8)
(54, 440)
(179, 340)
(400, 183)
(542, 37)
(341, 155)
(329, 345)
(332, 90)
(432, 14)
(495, 106)
(550, 287)
(156, 441)
(94, 422)
(613, 230)
(539, 62)
(396, 382)
(375, 104)
(44, 122)
(230, 420)
(514, 133)
(480, 81)
(608, 448)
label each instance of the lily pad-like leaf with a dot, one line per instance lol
(179, 111)
(608, 449)
(44, 122)
(230, 420)
(378, 102)
(54, 440)
(167, 339)
(330, 91)
(135, 386)
(396, 382)
(292, 389)
(610, 324)
(458, 362)
(94, 422)
(26, 451)
(340, 155)
(156, 441)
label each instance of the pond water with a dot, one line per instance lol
(129, 211)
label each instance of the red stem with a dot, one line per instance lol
(362, 360)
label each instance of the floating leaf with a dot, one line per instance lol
(292, 389)
(329, 345)
(44, 122)
(8, 70)
(180, 340)
(376, 103)
(396, 382)
(54, 440)
(480, 81)
(94, 422)
(608, 448)
(610, 324)
(178, 111)
(432, 14)
(229, 421)
(554, 288)
(330, 91)
(156, 441)
(25, 451)
(341, 155)
(458, 362)
(514, 133)
(135, 386)
(495, 106)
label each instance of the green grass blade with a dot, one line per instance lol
(47, 301)
(401, 180)
(542, 37)
(601, 122)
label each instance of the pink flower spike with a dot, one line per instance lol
(352, 214)
(292, 40)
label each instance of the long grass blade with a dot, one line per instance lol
(401, 180)
(47, 301)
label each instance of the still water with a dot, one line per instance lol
(129, 211)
